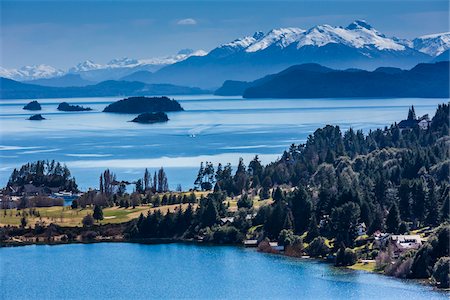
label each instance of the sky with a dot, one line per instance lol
(63, 33)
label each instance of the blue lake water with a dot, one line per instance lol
(134, 271)
(217, 129)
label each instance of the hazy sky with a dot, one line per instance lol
(63, 33)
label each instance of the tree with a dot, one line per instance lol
(210, 215)
(23, 222)
(163, 185)
(345, 257)
(88, 220)
(313, 229)
(318, 247)
(412, 113)
(98, 213)
(445, 210)
(286, 237)
(432, 205)
(245, 202)
(278, 195)
(139, 186)
(74, 204)
(441, 274)
(393, 219)
(301, 209)
(419, 199)
(147, 180)
(344, 220)
(405, 200)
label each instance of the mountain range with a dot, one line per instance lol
(357, 45)
(11, 89)
(94, 72)
(316, 81)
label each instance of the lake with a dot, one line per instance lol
(216, 129)
(132, 271)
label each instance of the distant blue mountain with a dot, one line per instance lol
(312, 81)
(422, 81)
(11, 89)
(62, 81)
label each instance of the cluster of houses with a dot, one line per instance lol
(10, 196)
(423, 123)
(399, 242)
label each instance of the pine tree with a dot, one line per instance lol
(412, 113)
(445, 209)
(393, 219)
(147, 180)
(405, 200)
(98, 213)
(301, 209)
(432, 205)
(313, 229)
(210, 215)
(288, 221)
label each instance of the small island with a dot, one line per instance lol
(150, 118)
(138, 105)
(64, 106)
(37, 117)
(33, 105)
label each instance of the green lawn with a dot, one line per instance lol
(65, 216)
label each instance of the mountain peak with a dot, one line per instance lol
(258, 34)
(358, 24)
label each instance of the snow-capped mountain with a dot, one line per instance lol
(87, 65)
(358, 45)
(358, 34)
(433, 44)
(31, 72)
(94, 71)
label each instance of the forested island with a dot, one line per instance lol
(143, 105)
(378, 202)
(150, 118)
(64, 106)
(37, 117)
(33, 105)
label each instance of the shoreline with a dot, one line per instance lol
(162, 241)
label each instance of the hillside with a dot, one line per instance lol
(11, 89)
(424, 81)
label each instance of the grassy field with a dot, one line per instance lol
(65, 216)
(368, 266)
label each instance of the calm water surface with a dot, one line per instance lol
(217, 129)
(130, 271)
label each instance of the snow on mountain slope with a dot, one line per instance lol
(282, 38)
(87, 65)
(359, 34)
(126, 62)
(432, 44)
(31, 72)
(44, 71)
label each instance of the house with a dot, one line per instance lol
(251, 243)
(275, 246)
(405, 242)
(361, 229)
(422, 122)
(226, 220)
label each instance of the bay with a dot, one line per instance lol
(212, 128)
